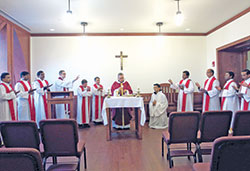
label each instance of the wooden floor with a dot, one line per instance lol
(126, 153)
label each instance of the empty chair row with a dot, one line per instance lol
(27, 159)
(192, 127)
(59, 138)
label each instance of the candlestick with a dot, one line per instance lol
(109, 94)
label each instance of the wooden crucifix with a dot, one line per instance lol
(121, 56)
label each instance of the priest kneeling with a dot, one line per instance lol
(158, 109)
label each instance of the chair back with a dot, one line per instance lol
(241, 124)
(59, 137)
(214, 124)
(231, 153)
(21, 159)
(183, 127)
(20, 134)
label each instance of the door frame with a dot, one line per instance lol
(224, 47)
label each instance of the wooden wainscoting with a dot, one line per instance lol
(172, 102)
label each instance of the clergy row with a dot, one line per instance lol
(29, 101)
(32, 101)
(232, 97)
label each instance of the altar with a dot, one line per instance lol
(124, 102)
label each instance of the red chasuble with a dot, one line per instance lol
(117, 85)
(117, 113)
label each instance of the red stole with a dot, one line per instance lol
(10, 102)
(210, 86)
(97, 102)
(84, 107)
(245, 104)
(44, 97)
(184, 96)
(224, 98)
(31, 103)
(65, 89)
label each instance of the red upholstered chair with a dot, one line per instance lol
(26, 159)
(60, 138)
(214, 124)
(241, 124)
(183, 128)
(20, 159)
(20, 134)
(230, 153)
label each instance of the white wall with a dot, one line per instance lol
(236, 30)
(150, 59)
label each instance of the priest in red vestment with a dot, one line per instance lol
(120, 88)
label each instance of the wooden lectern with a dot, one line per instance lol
(60, 97)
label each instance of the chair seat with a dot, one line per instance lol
(63, 167)
(180, 153)
(201, 167)
(165, 136)
(80, 147)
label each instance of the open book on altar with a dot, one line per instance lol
(126, 95)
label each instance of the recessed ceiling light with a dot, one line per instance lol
(51, 29)
(121, 29)
(187, 29)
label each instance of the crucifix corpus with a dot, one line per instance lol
(121, 56)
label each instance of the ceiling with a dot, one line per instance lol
(114, 16)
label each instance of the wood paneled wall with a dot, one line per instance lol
(14, 49)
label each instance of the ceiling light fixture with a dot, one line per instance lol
(69, 10)
(159, 24)
(84, 24)
(179, 16)
(68, 17)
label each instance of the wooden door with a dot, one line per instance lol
(230, 61)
